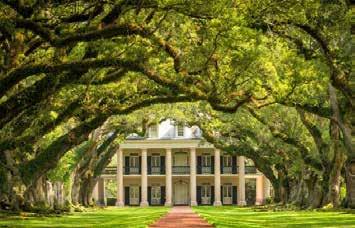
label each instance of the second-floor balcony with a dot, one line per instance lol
(206, 170)
(181, 169)
(227, 170)
(157, 170)
(132, 170)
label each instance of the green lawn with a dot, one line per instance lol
(249, 217)
(219, 216)
(109, 217)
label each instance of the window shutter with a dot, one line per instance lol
(162, 193)
(234, 164)
(221, 161)
(149, 161)
(198, 195)
(126, 195)
(212, 164)
(140, 164)
(162, 164)
(126, 165)
(150, 195)
(199, 164)
(212, 195)
(234, 195)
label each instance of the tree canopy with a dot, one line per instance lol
(273, 78)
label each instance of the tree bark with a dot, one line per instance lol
(337, 165)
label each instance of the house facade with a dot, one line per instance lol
(175, 166)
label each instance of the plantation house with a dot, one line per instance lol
(175, 166)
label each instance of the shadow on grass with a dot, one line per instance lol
(108, 217)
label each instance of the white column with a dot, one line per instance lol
(241, 181)
(217, 178)
(119, 174)
(193, 176)
(144, 180)
(259, 191)
(168, 178)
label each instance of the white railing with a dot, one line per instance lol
(206, 170)
(227, 170)
(156, 170)
(133, 170)
(181, 169)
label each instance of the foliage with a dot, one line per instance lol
(261, 73)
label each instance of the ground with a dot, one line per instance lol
(108, 217)
(218, 216)
(253, 217)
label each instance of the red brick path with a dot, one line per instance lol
(182, 217)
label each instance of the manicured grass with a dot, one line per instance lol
(108, 217)
(252, 217)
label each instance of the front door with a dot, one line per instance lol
(206, 194)
(181, 193)
(227, 194)
(156, 195)
(134, 195)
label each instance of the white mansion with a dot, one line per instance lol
(174, 166)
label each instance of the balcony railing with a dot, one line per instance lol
(250, 169)
(134, 170)
(227, 170)
(156, 170)
(181, 169)
(206, 170)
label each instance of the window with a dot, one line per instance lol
(227, 191)
(155, 161)
(133, 161)
(206, 161)
(153, 131)
(227, 161)
(180, 130)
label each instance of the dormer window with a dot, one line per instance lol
(153, 131)
(180, 130)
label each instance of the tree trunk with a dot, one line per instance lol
(337, 165)
(350, 182)
(75, 189)
(86, 190)
(277, 191)
(284, 187)
(10, 188)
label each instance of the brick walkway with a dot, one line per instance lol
(182, 217)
